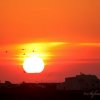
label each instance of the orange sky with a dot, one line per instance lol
(69, 31)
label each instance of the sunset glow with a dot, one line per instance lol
(65, 34)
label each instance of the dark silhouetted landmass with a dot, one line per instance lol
(81, 87)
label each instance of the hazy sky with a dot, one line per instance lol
(71, 28)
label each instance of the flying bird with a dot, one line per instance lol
(23, 49)
(24, 54)
(33, 50)
(6, 51)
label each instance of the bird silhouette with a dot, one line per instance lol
(6, 51)
(23, 49)
(24, 54)
(33, 50)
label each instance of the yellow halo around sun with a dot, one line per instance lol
(33, 64)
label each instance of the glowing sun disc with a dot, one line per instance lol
(33, 64)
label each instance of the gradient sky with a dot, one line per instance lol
(64, 33)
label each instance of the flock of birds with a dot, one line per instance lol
(6, 51)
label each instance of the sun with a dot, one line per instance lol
(33, 64)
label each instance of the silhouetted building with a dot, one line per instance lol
(80, 82)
